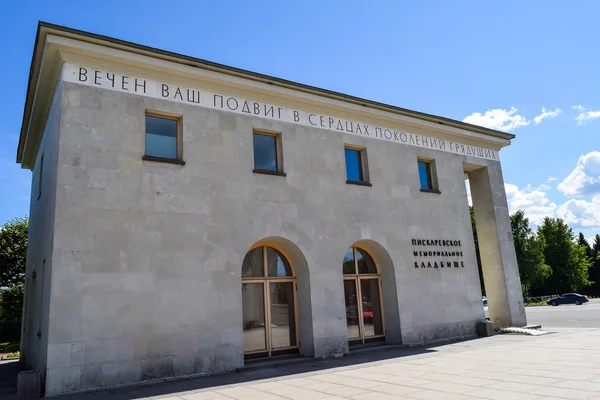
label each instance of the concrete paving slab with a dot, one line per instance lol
(501, 367)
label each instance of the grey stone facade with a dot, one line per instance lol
(150, 254)
(143, 259)
(41, 241)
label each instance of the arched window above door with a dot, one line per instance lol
(358, 262)
(266, 261)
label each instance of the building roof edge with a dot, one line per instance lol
(198, 62)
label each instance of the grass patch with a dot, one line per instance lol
(12, 356)
(535, 304)
(10, 346)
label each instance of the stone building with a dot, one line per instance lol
(189, 218)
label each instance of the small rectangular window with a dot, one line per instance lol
(427, 176)
(163, 138)
(267, 153)
(356, 166)
(353, 165)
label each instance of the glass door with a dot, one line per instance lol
(255, 320)
(362, 293)
(282, 315)
(371, 307)
(268, 304)
(352, 310)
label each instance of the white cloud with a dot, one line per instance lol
(585, 178)
(551, 179)
(585, 115)
(581, 213)
(546, 114)
(533, 201)
(503, 120)
(578, 213)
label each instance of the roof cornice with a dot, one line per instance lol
(45, 28)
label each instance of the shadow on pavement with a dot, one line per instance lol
(8, 379)
(264, 371)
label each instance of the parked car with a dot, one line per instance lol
(568, 298)
(486, 313)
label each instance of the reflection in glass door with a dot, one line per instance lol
(269, 304)
(255, 336)
(352, 309)
(282, 316)
(371, 312)
(362, 281)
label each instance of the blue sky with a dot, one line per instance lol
(498, 64)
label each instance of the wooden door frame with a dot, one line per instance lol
(357, 278)
(266, 281)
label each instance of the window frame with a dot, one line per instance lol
(432, 175)
(179, 139)
(363, 165)
(278, 153)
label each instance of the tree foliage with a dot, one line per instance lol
(594, 270)
(581, 241)
(552, 260)
(568, 258)
(529, 249)
(11, 302)
(13, 252)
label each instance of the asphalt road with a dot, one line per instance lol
(566, 316)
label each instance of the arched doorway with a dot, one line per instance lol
(269, 304)
(362, 280)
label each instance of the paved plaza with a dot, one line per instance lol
(562, 365)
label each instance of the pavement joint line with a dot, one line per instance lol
(465, 360)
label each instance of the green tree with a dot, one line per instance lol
(11, 302)
(583, 242)
(529, 250)
(13, 253)
(567, 258)
(594, 271)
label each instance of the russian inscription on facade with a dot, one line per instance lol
(438, 253)
(167, 91)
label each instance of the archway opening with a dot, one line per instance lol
(276, 303)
